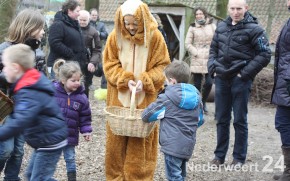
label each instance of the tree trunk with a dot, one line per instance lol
(7, 11)
(221, 9)
(92, 4)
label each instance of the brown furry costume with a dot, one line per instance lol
(139, 57)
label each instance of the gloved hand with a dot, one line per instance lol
(139, 85)
(99, 70)
(131, 84)
(288, 86)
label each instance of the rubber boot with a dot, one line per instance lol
(286, 174)
(71, 176)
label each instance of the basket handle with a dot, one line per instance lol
(133, 104)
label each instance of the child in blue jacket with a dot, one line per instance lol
(179, 110)
(35, 113)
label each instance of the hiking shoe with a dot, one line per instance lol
(216, 162)
(237, 164)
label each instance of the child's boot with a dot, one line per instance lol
(286, 174)
(71, 176)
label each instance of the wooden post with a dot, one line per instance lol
(7, 11)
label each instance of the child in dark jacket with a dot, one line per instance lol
(71, 97)
(35, 113)
(179, 110)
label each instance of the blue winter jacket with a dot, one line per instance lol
(101, 28)
(178, 109)
(35, 113)
(280, 95)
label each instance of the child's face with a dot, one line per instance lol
(73, 83)
(12, 71)
(38, 34)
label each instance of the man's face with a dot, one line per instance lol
(83, 20)
(237, 10)
(288, 4)
(94, 15)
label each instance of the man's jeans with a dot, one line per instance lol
(282, 124)
(175, 168)
(69, 157)
(42, 165)
(232, 94)
(11, 154)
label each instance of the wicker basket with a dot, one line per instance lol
(127, 121)
(6, 107)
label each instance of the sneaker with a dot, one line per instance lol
(216, 162)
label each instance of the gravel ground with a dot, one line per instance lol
(264, 153)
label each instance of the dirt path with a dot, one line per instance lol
(263, 152)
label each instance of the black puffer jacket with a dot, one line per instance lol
(242, 48)
(280, 95)
(66, 41)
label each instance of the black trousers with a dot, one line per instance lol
(197, 80)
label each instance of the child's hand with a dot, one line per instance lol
(88, 137)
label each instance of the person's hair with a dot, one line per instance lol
(245, 1)
(70, 5)
(24, 24)
(85, 12)
(21, 54)
(94, 9)
(201, 9)
(179, 70)
(158, 20)
(65, 70)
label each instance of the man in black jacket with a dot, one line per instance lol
(101, 28)
(238, 52)
(93, 45)
(281, 95)
(96, 23)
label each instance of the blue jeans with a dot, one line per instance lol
(175, 168)
(232, 94)
(282, 124)
(42, 165)
(11, 154)
(69, 157)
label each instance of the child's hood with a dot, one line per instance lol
(33, 79)
(185, 96)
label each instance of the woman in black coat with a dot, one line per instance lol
(65, 38)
